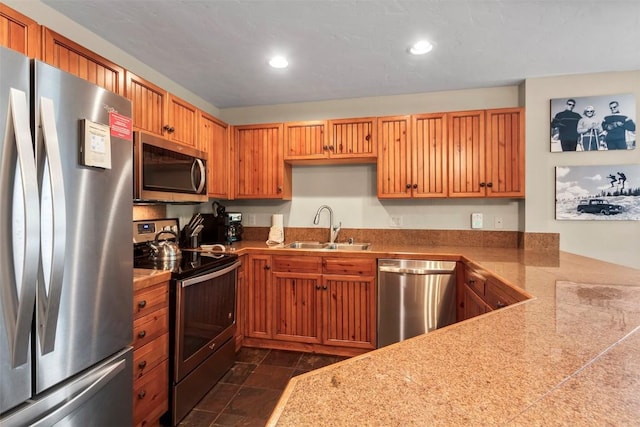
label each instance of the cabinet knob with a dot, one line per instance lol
(324, 287)
(482, 184)
(142, 334)
(415, 186)
(489, 184)
(142, 304)
(408, 186)
(142, 364)
(500, 304)
(142, 394)
(325, 147)
(331, 148)
(318, 287)
(267, 267)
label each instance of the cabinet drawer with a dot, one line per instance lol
(150, 299)
(150, 327)
(295, 264)
(498, 294)
(150, 355)
(151, 395)
(354, 266)
(475, 281)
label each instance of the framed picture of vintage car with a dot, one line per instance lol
(598, 192)
(593, 123)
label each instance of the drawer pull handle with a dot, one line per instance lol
(142, 364)
(142, 304)
(142, 334)
(500, 304)
(142, 394)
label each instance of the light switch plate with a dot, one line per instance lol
(476, 220)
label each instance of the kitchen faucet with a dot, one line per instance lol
(333, 230)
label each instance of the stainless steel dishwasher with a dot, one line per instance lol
(414, 297)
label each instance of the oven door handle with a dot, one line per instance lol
(209, 276)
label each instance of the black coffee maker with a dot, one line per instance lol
(221, 226)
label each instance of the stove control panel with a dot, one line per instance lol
(146, 230)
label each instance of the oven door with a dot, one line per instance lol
(205, 317)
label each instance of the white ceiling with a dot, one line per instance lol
(348, 49)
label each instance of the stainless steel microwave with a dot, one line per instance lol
(167, 172)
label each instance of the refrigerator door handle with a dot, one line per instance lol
(18, 252)
(54, 228)
(66, 400)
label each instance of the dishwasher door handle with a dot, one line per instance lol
(416, 271)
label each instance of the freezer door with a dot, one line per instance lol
(84, 293)
(19, 228)
(101, 397)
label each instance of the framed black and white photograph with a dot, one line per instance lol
(598, 193)
(593, 123)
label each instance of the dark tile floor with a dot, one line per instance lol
(247, 394)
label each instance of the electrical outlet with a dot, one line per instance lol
(498, 222)
(251, 219)
(476, 220)
(396, 221)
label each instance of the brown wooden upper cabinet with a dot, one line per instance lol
(486, 153)
(505, 152)
(19, 32)
(394, 157)
(331, 141)
(466, 153)
(412, 161)
(69, 56)
(260, 171)
(214, 140)
(158, 112)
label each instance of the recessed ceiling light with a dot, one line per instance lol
(279, 62)
(421, 47)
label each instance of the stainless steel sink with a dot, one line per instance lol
(349, 246)
(329, 246)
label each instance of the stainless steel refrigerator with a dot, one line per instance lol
(65, 249)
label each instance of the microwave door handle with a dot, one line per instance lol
(200, 186)
(21, 248)
(54, 218)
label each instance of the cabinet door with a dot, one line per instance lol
(79, 61)
(505, 152)
(296, 307)
(147, 103)
(394, 157)
(241, 301)
(258, 286)
(305, 140)
(466, 154)
(349, 311)
(260, 169)
(429, 155)
(353, 138)
(19, 32)
(213, 139)
(182, 122)
(473, 305)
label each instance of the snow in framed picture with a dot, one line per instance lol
(593, 123)
(598, 192)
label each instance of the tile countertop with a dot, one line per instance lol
(570, 355)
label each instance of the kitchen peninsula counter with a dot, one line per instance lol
(570, 355)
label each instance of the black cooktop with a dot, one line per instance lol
(191, 264)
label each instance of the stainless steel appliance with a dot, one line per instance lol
(168, 172)
(202, 302)
(414, 297)
(65, 265)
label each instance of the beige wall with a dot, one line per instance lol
(615, 241)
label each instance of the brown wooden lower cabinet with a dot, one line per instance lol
(479, 292)
(150, 352)
(311, 303)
